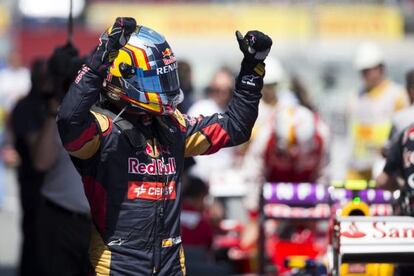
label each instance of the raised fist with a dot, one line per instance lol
(110, 42)
(255, 45)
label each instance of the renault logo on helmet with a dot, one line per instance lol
(166, 69)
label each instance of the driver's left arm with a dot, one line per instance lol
(206, 135)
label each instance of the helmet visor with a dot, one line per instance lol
(160, 80)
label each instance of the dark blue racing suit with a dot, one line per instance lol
(131, 171)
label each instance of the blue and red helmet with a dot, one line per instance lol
(144, 74)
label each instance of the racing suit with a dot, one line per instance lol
(400, 162)
(131, 167)
(400, 165)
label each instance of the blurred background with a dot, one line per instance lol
(315, 42)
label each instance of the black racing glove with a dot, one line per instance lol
(109, 44)
(255, 46)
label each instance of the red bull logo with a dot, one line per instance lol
(167, 52)
(155, 151)
(168, 56)
(156, 167)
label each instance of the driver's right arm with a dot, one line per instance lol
(79, 128)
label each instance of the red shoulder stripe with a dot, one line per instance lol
(83, 138)
(218, 137)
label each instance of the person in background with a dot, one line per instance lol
(274, 84)
(14, 84)
(398, 174)
(26, 118)
(62, 252)
(272, 93)
(292, 147)
(63, 223)
(371, 111)
(405, 117)
(186, 85)
(195, 227)
(301, 93)
(197, 232)
(273, 77)
(219, 93)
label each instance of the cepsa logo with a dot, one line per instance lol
(379, 230)
(156, 167)
(151, 190)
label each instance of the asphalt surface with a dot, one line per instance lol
(9, 226)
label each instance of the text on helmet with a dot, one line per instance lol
(166, 69)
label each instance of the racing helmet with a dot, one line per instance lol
(144, 75)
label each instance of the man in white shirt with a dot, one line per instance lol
(219, 95)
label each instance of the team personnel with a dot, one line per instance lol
(405, 117)
(62, 220)
(399, 163)
(219, 93)
(371, 111)
(27, 118)
(273, 95)
(293, 147)
(398, 174)
(130, 151)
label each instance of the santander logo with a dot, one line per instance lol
(353, 232)
(379, 230)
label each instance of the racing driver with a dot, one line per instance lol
(128, 141)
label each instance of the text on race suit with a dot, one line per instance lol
(156, 167)
(151, 190)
